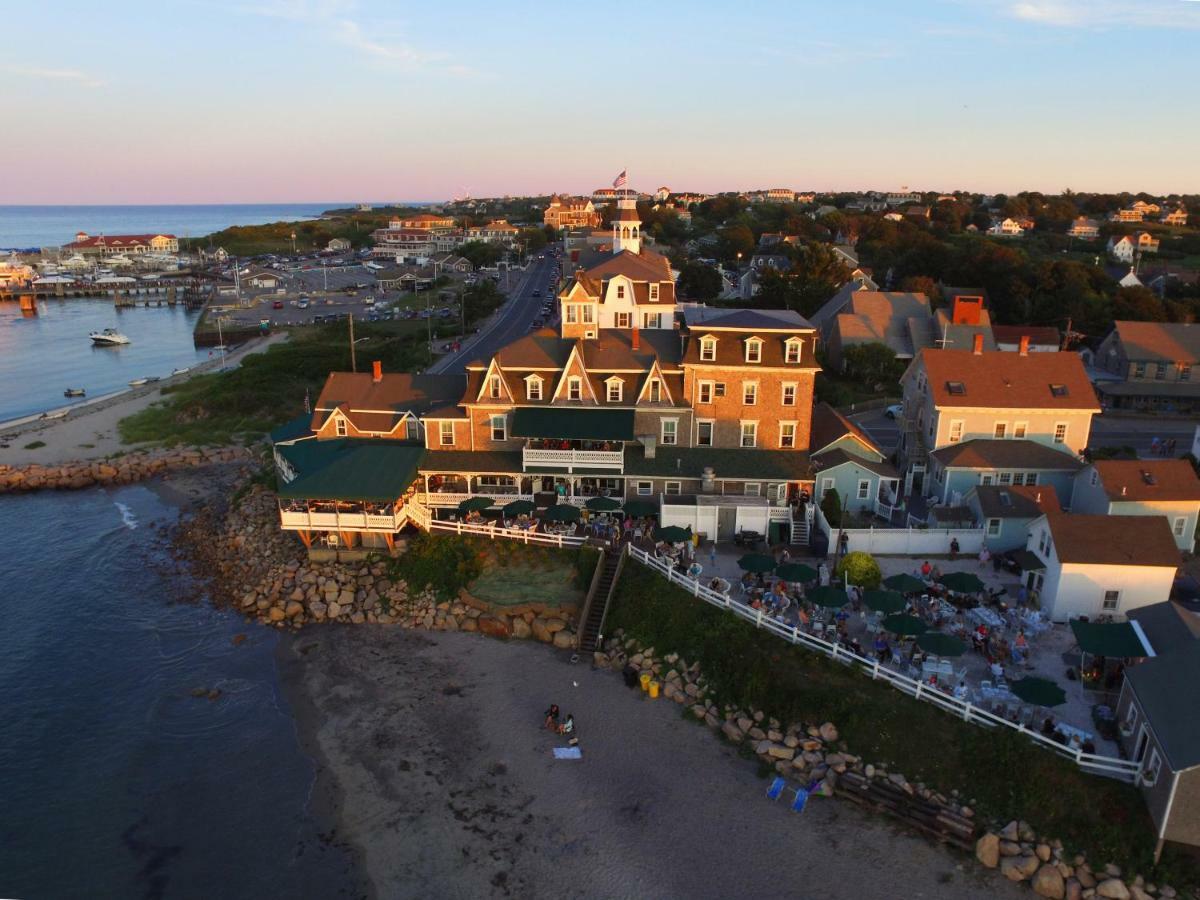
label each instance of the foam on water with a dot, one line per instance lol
(128, 519)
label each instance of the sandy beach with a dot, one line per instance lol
(90, 431)
(432, 759)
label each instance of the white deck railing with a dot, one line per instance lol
(423, 518)
(571, 459)
(1090, 762)
(299, 520)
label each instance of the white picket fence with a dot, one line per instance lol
(423, 518)
(1112, 767)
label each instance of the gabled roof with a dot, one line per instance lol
(830, 426)
(1160, 341)
(1137, 480)
(1113, 540)
(1005, 380)
(831, 459)
(356, 470)
(758, 319)
(379, 406)
(644, 266)
(1171, 711)
(987, 453)
(1039, 335)
(1015, 501)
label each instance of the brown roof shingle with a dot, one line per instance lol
(987, 453)
(1160, 341)
(1002, 380)
(1135, 480)
(1113, 540)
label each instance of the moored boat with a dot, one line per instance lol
(109, 337)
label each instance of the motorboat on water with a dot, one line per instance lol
(75, 392)
(109, 337)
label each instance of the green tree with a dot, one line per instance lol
(1138, 304)
(534, 239)
(735, 239)
(699, 282)
(859, 569)
(873, 363)
(481, 300)
(831, 507)
(480, 253)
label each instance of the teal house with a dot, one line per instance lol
(845, 459)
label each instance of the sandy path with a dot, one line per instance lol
(430, 742)
(90, 432)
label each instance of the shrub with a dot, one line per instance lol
(444, 563)
(831, 506)
(860, 569)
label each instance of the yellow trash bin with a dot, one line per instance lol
(654, 690)
(645, 680)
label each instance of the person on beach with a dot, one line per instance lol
(568, 725)
(552, 717)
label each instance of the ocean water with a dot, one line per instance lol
(43, 355)
(24, 227)
(116, 781)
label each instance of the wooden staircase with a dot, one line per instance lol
(592, 620)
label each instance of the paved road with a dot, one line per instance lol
(510, 323)
(1108, 430)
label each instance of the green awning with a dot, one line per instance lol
(573, 424)
(1113, 639)
(356, 470)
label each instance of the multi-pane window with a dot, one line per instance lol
(670, 432)
(753, 350)
(708, 350)
(623, 319)
(574, 388)
(704, 392)
(499, 428)
(1112, 599)
(791, 351)
(654, 390)
(1020, 429)
(494, 389)
(616, 389)
(533, 389)
(956, 431)
(789, 395)
(787, 435)
(749, 434)
(446, 433)
(864, 489)
(704, 433)
(749, 392)
(340, 427)
(1060, 433)
(1001, 431)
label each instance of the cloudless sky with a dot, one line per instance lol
(295, 100)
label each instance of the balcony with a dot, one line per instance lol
(342, 520)
(570, 460)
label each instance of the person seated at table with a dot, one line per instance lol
(882, 651)
(937, 574)
(855, 647)
(1087, 746)
(961, 692)
(1048, 726)
(802, 616)
(926, 570)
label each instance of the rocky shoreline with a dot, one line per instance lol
(127, 469)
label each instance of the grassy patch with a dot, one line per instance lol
(1004, 775)
(515, 573)
(33, 445)
(267, 388)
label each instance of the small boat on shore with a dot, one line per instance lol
(58, 414)
(75, 392)
(109, 337)
(182, 371)
(138, 382)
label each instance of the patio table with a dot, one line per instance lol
(1075, 736)
(985, 616)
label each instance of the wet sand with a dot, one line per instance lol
(432, 759)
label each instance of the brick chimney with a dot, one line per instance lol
(635, 342)
(376, 371)
(1023, 347)
(978, 345)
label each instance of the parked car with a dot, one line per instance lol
(278, 304)
(894, 411)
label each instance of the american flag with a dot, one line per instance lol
(619, 181)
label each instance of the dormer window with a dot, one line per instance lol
(574, 388)
(956, 388)
(791, 350)
(708, 349)
(654, 390)
(753, 350)
(494, 390)
(620, 292)
(616, 390)
(654, 292)
(340, 427)
(1058, 390)
(533, 388)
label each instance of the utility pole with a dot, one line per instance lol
(353, 361)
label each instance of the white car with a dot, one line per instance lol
(894, 411)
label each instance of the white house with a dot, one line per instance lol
(1099, 565)
(1006, 228)
(338, 245)
(1142, 487)
(1084, 228)
(1126, 247)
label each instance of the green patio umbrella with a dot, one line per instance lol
(639, 509)
(519, 508)
(674, 534)
(962, 582)
(904, 583)
(886, 602)
(1039, 691)
(757, 562)
(827, 596)
(940, 644)
(475, 504)
(563, 512)
(602, 504)
(903, 624)
(796, 572)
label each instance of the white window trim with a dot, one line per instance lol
(742, 433)
(755, 345)
(782, 426)
(994, 527)
(708, 350)
(752, 489)
(863, 489)
(827, 484)
(1179, 526)
(996, 427)
(783, 389)
(791, 344)
(572, 382)
(1104, 607)
(1020, 431)
(678, 485)
(446, 430)
(712, 390)
(712, 433)
(340, 427)
(495, 387)
(1149, 775)
(1066, 429)
(614, 383)
(662, 432)
(645, 488)
(503, 429)
(961, 427)
(533, 387)
(754, 399)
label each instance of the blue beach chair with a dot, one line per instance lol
(800, 801)
(776, 788)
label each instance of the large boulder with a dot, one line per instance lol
(1048, 882)
(987, 850)
(1112, 889)
(494, 627)
(563, 639)
(520, 628)
(1018, 868)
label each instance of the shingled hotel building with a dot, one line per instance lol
(705, 413)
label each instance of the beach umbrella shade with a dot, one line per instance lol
(827, 596)
(519, 508)
(901, 624)
(602, 504)
(940, 644)
(962, 582)
(475, 504)
(674, 534)
(904, 583)
(641, 508)
(1039, 691)
(756, 562)
(796, 572)
(886, 602)
(563, 512)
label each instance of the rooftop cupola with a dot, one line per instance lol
(627, 226)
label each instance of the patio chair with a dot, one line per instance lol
(776, 788)
(985, 686)
(801, 799)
